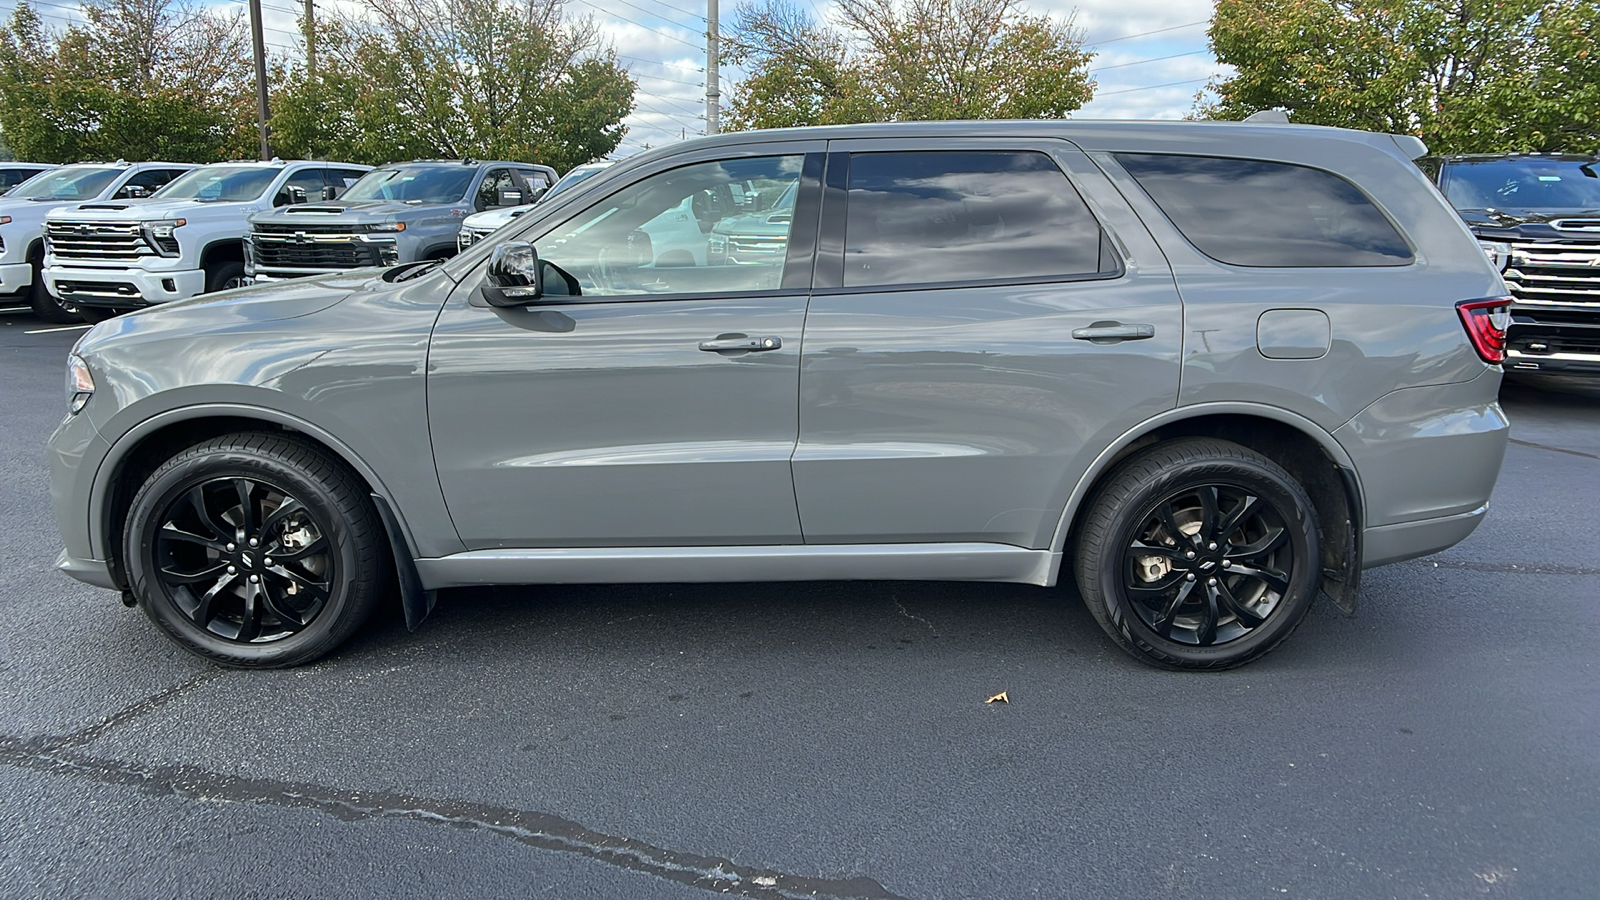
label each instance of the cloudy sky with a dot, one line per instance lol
(1151, 55)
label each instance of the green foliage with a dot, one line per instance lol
(1464, 75)
(143, 79)
(904, 60)
(490, 79)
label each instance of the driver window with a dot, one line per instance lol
(720, 227)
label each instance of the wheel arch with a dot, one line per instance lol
(143, 448)
(1309, 453)
(222, 250)
(440, 251)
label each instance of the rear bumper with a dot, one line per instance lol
(122, 288)
(1427, 458)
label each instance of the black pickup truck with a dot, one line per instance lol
(1538, 216)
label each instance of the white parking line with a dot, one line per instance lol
(13, 310)
(62, 328)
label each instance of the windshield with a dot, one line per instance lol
(573, 177)
(413, 184)
(220, 183)
(70, 183)
(1523, 184)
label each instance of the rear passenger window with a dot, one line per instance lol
(953, 216)
(1251, 213)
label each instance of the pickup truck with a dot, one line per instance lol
(186, 239)
(403, 212)
(23, 211)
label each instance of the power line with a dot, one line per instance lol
(695, 84)
(640, 25)
(1129, 37)
(651, 12)
(1140, 62)
(679, 9)
(1151, 87)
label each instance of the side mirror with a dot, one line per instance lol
(329, 192)
(513, 277)
(297, 193)
(508, 198)
(135, 192)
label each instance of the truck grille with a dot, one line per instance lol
(320, 249)
(757, 249)
(97, 241)
(1565, 272)
(469, 236)
(100, 293)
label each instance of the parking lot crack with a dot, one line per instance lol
(1537, 446)
(1516, 568)
(149, 704)
(533, 829)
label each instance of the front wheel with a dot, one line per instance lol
(224, 277)
(1199, 554)
(47, 306)
(94, 315)
(255, 550)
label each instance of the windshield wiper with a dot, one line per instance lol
(418, 268)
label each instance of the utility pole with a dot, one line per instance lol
(261, 76)
(713, 82)
(311, 40)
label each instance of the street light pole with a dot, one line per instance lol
(261, 76)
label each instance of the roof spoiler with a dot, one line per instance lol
(1410, 146)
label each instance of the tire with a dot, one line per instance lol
(46, 306)
(1229, 561)
(224, 276)
(94, 315)
(192, 566)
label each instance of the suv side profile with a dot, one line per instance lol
(1204, 371)
(1538, 217)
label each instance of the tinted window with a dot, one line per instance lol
(497, 183)
(309, 183)
(942, 216)
(1251, 213)
(719, 227)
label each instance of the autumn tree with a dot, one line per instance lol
(141, 79)
(491, 79)
(1464, 75)
(904, 60)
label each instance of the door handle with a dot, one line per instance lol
(741, 343)
(1113, 332)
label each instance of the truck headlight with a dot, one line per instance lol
(80, 383)
(161, 235)
(387, 226)
(1499, 254)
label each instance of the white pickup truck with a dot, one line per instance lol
(187, 239)
(23, 209)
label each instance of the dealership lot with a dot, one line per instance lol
(819, 739)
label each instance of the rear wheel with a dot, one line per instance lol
(46, 306)
(1199, 554)
(255, 550)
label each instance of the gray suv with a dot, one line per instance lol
(1203, 371)
(395, 214)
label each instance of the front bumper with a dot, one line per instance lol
(122, 288)
(1557, 339)
(15, 278)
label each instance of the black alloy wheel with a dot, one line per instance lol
(46, 305)
(256, 550)
(1199, 553)
(244, 560)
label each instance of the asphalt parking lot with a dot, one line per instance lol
(825, 740)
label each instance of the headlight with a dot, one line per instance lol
(387, 226)
(161, 235)
(1499, 254)
(80, 383)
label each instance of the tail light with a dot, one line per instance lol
(1486, 322)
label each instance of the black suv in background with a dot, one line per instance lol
(1537, 215)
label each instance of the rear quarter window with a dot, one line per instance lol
(1247, 212)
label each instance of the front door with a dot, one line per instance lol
(655, 403)
(981, 327)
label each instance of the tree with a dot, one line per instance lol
(142, 79)
(1464, 75)
(903, 60)
(492, 79)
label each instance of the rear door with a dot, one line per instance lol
(987, 316)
